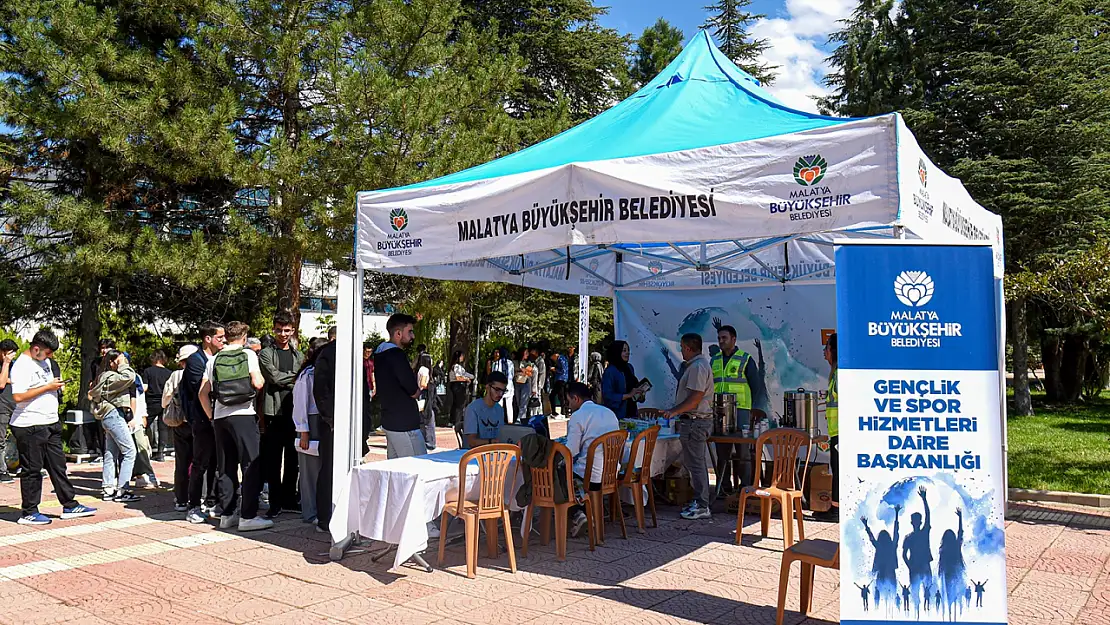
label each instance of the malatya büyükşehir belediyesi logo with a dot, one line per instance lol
(913, 288)
(809, 170)
(399, 219)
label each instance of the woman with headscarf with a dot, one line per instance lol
(618, 383)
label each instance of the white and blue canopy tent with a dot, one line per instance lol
(701, 179)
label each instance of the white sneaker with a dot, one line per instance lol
(142, 481)
(695, 512)
(579, 524)
(229, 521)
(196, 516)
(257, 523)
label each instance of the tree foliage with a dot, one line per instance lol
(656, 47)
(729, 21)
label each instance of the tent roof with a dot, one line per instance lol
(701, 99)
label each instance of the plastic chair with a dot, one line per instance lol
(635, 480)
(494, 462)
(811, 553)
(612, 446)
(785, 444)
(543, 496)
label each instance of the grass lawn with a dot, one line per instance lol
(1065, 448)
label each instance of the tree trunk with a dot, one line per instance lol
(287, 273)
(1052, 356)
(459, 337)
(1023, 403)
(88, 333)
(1073, 368)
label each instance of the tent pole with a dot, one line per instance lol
(583, 335)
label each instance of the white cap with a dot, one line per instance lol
(186, 351)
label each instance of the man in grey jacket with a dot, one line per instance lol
(280, 363)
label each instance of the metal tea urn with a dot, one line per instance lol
(800, 410)
(724, 413)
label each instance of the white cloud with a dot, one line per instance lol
(797, 41)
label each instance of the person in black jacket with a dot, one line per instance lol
(204, 436)
(155, 377)
(398, 389)
(323, 391)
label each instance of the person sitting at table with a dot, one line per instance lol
(484, 415)
(587, 422)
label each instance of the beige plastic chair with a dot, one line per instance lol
(637, 480)
(494, 462)
(785, 444)
(543, 496)
(811, 553)
(612, 445)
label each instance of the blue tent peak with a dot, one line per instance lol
(700, 99)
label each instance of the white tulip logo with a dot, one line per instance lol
(913, 288)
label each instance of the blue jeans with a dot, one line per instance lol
(119, 446)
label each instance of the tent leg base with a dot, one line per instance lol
(341, 548)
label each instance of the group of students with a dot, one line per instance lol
(249, 419)
(537, 382)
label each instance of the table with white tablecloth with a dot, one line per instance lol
(393, 500)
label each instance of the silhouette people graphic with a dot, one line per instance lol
(906, 598)
(885, 566)
(951, 565)
(937, 598)
(864, 591)
(967, 596)
(917, 552)
(979, 588)
(928, 589)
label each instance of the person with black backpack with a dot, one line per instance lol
(234, 378)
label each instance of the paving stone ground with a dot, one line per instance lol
(141, 564)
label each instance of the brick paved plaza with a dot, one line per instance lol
(141, 563)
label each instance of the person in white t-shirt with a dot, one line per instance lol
(588, 421)
(234, 377)
(38, 432)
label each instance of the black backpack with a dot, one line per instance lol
(231, 378)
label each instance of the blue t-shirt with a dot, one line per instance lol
(483, 420)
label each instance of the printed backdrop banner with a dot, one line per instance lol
(921, 483)
(780, 328)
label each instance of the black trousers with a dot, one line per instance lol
(834, 465)
(559, 395)
(277, 445)
(40, 446)
(324, 481)
(5, 441)
(182, 461)
(458, 401)
(238, 441)
(204, 463)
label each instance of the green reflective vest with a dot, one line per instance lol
(832, 407)
(730, 378)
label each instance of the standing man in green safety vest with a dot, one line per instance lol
(832, 417)
(736, 372)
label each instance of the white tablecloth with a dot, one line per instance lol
(393, 500)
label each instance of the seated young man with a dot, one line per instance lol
(484, 415)
(587, 422)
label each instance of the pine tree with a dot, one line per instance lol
(119, 152)
(1012, 97)
(337, 97)
(730, 23)
(571, 62)
(656, 47)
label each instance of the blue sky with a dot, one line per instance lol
(797, 31)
